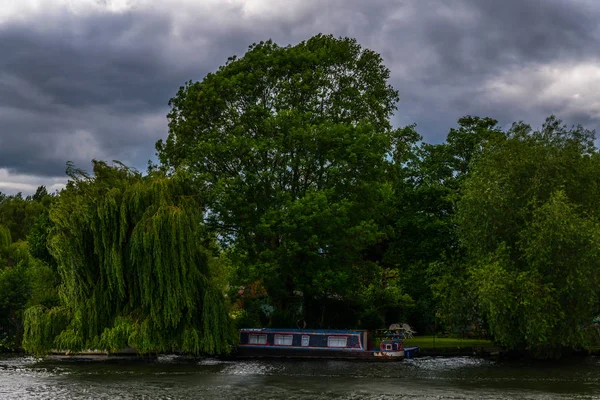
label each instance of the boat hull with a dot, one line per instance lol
(273, 352)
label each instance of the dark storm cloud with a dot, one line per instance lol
(76, 86)
(449, 52)
(483, 36)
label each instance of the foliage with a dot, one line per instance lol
(528, 219)
(44, 282)
(421, 241)
(24, 281)
(37, 239)
(5, 242)
(457, 311)
(432, 342)
(42, 325)
(292, 144)
(14, 293)
(134, 268)
(384, 300)
(19, 214)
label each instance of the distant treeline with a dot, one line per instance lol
(284, 197)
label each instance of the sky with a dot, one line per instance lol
(91, 79)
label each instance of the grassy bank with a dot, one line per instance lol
(431, 342)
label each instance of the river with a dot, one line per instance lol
(27, 378)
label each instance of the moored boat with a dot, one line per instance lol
(322, 343)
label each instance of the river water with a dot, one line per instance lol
(26, 378)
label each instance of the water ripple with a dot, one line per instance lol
(27, 378)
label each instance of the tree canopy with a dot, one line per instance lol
(134, 260)
(528, 219)
(293, 145)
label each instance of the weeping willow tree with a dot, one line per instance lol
(134, 259)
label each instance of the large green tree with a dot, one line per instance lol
(293, 144)
(528, 218)
(134, 260)
(421, 243)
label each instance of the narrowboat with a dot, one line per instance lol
(321, 343)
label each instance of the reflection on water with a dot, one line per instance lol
(26, 378)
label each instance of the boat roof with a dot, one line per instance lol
(307, 331)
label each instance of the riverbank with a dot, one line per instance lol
(451, 347)
(429, 346)
(432, 342)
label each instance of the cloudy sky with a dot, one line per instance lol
(84, 79)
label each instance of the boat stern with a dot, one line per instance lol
(390, 349)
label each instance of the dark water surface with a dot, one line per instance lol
(26, 378)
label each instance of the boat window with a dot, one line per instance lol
(257, 339)
(337, 341)
(388, 346)
(283, 340)
(305, 340)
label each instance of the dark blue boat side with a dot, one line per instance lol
(318, 343)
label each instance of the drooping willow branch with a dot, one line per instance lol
(134, 270)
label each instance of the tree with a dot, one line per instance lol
(14, 294)
(15, 289)
(41, 194)
(19, 214)
(528, 220)
(292, 144)
(421, 242)
(469, 141)
(23, 280)
(133, 257)
(37, 239)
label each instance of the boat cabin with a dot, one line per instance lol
(390, 345)
(340, 340)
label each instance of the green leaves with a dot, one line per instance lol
(134, 268)
(19, 214)
(5, 241)
(529, 220)
(290, 144)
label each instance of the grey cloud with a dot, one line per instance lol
(97, 85)
(471, 38)
(451, 54)
(82, 64)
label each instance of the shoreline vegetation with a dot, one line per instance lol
(432, 342)
(284, 196)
